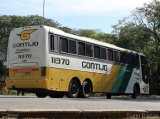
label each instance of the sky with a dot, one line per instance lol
(78, 14)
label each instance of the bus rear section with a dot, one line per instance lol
(26, 59)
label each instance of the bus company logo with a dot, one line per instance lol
(25, 34)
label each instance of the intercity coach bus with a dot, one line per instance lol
(49, 62)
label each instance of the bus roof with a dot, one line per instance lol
(85, 39)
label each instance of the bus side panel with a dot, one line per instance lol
(136, 78)
(106, 81)
(19, 78)
(122, 79)
(59, 79)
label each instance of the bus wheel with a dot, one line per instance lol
(86, 89)
(41, 94)
(56, 95)
(73, 89)
(108, 96)
(136, 91)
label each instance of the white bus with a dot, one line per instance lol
(47, 61)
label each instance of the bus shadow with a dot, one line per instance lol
(15, 96)
(138, 99)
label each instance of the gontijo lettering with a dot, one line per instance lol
(25, 44)
(94, 66)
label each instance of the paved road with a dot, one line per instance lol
(9, 102)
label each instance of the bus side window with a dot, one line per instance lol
(63, 44)
(145, 69)
(103, 53)
(72, 47)
(126, 57)
(143, 60)
(122, 57)
(81, 48)
(52, 42)
(89, 51)
(136, 57)
(132, 61)
(97, 52)
(110, 55)
(116, 56)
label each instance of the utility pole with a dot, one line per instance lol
(43, 10)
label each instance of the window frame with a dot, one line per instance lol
(137, 62)
(109, 49)
(56, 42)
(118, 52)
(99, 51)
(132, 59)
(69, 47)
(60, 44)
(124, 56)
(106, 57)
(84, 48)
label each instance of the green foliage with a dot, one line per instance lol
(6, 91)
(3, 71)
(68, 30)
(7, 23)
(141, 32)
(87, 33)
(96, 34)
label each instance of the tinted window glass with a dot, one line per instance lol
(136, 61)
(103, 53)
(110, 55)
(64, 44)
(122, 57)
(132, 62)
(116, 56)
(126, 57)
(89, 50)
(51, 42)
(96, 52)
(72, 46)
(81, 48)
(143, 60)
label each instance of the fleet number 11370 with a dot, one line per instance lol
(62, 61)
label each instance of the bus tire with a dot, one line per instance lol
(56, 94)
(73, 89)
(108, 95)
(86, 89)
(41, 94)
(136, 91)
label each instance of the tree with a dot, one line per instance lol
(68, 30)
(141, 32)
(96, 34)
(87, 33)
(7, 23)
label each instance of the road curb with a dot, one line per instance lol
(79, 114)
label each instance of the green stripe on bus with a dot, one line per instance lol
(125, 80)
(118, 80)
(122, 79)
